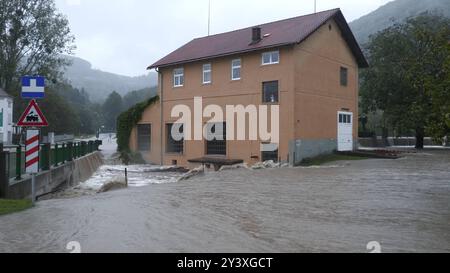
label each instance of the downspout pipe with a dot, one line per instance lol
(161, 101)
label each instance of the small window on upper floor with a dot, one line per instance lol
(178, 77)
(344, 76)
(207, 71)
(271, 58)
(236, 69)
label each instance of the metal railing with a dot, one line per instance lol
(49, 155)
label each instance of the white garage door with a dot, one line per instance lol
(345, 131)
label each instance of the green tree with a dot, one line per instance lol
(135, 97)
(33, 35)
(439, 86)
(90, 114)
(112, 108)
(408, 66)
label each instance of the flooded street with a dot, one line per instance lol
(403, 204)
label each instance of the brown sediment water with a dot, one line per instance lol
(402, 204)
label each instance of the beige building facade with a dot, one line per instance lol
(313, 81)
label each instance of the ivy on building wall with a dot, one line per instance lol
(128, 120)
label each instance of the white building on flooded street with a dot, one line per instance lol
(6, 114)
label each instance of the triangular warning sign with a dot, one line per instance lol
(32, 117)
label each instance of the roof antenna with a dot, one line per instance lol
(209, 17)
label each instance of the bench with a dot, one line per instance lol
(217, 162)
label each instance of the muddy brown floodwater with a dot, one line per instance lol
(402, 204)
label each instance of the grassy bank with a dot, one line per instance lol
(11, 206)
(320, 160)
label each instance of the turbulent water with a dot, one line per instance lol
(138, 176)
(402, 204)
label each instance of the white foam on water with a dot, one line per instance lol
(138, 176)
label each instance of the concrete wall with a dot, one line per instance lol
(222, 91)
(69, 174)
(392, 141)
(319, 95)
(303, 149)
(151, 115)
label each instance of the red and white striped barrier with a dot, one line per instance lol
(32, 152)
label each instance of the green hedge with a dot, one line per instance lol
(127, 120)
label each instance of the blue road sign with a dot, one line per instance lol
(33, 87)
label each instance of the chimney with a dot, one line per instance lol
(256, 35)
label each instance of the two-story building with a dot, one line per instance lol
(306, 65)
(6, 114)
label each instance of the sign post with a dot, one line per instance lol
(32, 158)
(32, 117)
(32, 88)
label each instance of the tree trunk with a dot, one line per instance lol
(385, 135)
(420, 136)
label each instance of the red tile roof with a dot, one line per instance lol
(282, 33)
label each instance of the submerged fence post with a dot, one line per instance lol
(70, 151)
(45, 157)
(126, 177)
(18, 162)
(64, 153)
(97, 145)
(83, 148)
(4, 175)
(75, 150)
(56, 154)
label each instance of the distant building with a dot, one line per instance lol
(307, 65)
(6, 114)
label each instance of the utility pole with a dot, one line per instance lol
(209, 17)
(315, 6)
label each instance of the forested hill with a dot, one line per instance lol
(99, 84)
(395, 11)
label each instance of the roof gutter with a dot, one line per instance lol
(220, 55)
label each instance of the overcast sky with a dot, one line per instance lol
(125, 36)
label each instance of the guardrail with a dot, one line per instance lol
(49, 156)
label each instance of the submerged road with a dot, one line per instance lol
(403, 204)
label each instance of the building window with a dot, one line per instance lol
(270, 92)
(144, 137)
(344, 76)
(175, 142)
(269, 155)
(217, 146)
(236, 69)
(345, 119)
(271, 58)
(207, 71)
(178, 77)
